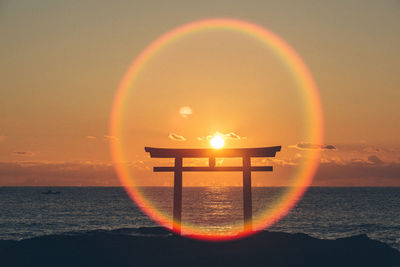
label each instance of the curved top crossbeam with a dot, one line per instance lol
(206, 152)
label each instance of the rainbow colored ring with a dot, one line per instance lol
(305, 83)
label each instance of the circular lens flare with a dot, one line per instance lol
(217, 142)
(312, 112)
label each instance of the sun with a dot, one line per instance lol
(217, 141)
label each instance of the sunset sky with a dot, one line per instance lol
(61, 63)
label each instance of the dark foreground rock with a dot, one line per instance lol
(158, 248)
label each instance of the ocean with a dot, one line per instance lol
(327, 213)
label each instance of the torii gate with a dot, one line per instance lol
(245, 153)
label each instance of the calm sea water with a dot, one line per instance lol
(322, 212)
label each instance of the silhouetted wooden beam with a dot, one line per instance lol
(211, 161)
(207, 153)
(177, 212)
(214, 169)
(247, 201)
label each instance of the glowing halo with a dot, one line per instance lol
(304, 81)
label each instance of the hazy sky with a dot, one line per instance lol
(61, 62)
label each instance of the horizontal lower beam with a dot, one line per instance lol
(213, 169)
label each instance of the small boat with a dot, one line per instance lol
(51, 192)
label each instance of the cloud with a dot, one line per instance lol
(110, 138)
(275, 162)
(176, 137)
(94, 173)
(83, 173)
(185, 111)
(307, 146)
(375, 160)
(371, 149)
(231, 136)
(359, 169)
(370, 171)
(24, 153)
(91, 137)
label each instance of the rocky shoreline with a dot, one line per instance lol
(157, 247)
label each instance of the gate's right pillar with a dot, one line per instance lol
(247, 202)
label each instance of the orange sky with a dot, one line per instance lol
(62, 62)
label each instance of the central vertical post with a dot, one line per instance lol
(247, 205)
(211, 161)
(177, 212)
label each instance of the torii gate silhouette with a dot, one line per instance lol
(245, 153)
